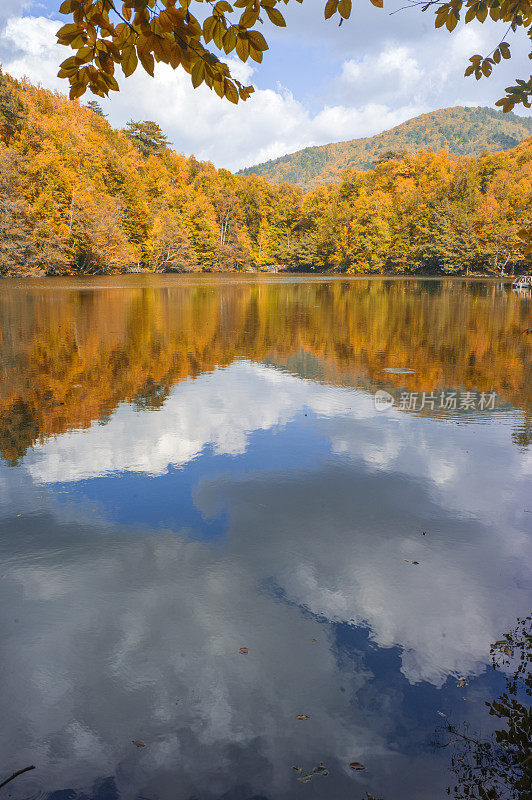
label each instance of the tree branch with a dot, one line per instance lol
(16, 774)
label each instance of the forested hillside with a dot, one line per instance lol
(77, 197)
(460, 131)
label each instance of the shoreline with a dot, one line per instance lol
(169, 279)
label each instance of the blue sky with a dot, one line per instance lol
(318, 83)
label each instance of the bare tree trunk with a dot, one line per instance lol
(71, 213)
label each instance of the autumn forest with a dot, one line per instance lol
(79, 197)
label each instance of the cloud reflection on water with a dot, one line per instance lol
(115, 626)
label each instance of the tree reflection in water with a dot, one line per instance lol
(71, 355)
(499, 766)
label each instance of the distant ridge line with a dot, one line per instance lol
(460, 130)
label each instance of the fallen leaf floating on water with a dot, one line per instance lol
(138, 743)
(243, 650)
(461, 682)
(302, 716)
(321, 769)
(356, 765)
(504, 647)
(410, 562)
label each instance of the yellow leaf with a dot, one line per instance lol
(451, 22)
(83, 76)
(68, 6)
(218, 84)
(256, 55)
(486, 67)
(165, 23)
(258, 40)
(344, 7)
(242, 48)
(208, 28)
(175, 56)
(70, 63)
(110, 81)
(276, 17)
(68, 30)
(198, 73)
(67, 73)
(249, 18)
(76, 90)
(148, 62)
(229, 40)
(219, 32)
(129, 61)
(230, 91)
(330, 8)
(222, 6)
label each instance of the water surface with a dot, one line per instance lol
(191, 466)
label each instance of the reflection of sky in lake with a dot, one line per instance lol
(256, 509)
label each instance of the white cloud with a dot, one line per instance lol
(8, 8)
(352, 122)
(29, 49)
(385, 86)
(394, 62)
(271, 123)
(425, 74)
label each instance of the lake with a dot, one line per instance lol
(254, 531)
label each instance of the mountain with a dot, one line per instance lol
(461, 131)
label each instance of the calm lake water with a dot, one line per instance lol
(195, 466)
